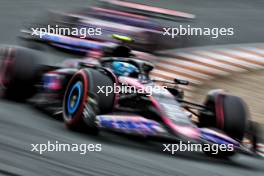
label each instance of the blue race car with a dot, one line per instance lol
(117, 94)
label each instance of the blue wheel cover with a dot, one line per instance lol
(77, 86)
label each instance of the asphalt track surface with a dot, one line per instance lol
(22, 125)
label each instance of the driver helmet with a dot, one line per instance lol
(124, 69)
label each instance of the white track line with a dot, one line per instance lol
(186, 71)
(195, 65)
(253, 49)
(244, 55)
(208, 61)
(172, 76)
(217, 56)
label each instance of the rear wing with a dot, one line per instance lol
(150, 11)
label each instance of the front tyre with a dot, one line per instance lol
(230, 116)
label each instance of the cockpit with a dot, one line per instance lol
(130, 67)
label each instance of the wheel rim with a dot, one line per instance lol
(74, 98)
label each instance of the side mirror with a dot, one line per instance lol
(182, 82)
(147, 67)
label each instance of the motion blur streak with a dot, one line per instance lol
(20, 125)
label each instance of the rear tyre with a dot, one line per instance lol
(19, 71)
(82, 102)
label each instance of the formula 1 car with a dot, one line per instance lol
(138, 21)
(117, 93)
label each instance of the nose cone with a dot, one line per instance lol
(188, 131)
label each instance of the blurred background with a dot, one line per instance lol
(234, 63)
